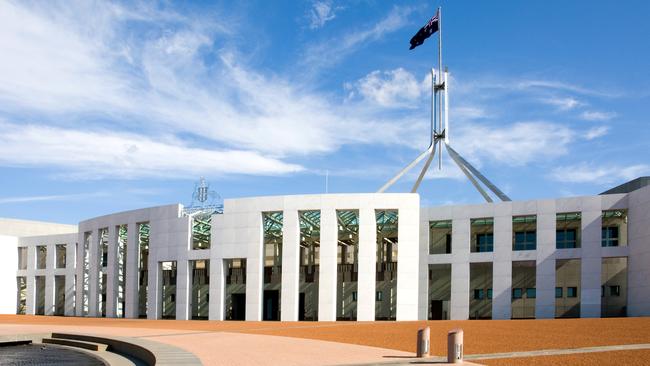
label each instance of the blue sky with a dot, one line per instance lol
(110, 106)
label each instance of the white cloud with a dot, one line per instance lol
(563, 104)
(597, 116)
(331, 51)
(394, 88)
(516, 144)
(321, 13)
(596, 132)
(598, 173)
(59, 197)
(105, 154)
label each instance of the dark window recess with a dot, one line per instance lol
(485, 242)
(610, 236)
(615, 290)
(479, 294)
(525, 240)
(354, 296)
(531, 293)
(558, 292)
(379, 296)
(565, 238)
(571, 292)
(517, 293)
(489, 293)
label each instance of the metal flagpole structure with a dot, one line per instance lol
(439, 131)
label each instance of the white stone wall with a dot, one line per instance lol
(639, 259)
(239, 235)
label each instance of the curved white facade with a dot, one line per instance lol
(582, 256)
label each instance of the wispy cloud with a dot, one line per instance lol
(598, 173)
(104, 154)
(563, 104)
(597, 116)
(320, 13)
(596, 132)
(330, 52)
(60, 197)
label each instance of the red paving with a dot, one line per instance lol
(481, 336)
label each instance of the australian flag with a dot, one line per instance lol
(432, 26)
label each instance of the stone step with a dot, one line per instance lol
(79, 344)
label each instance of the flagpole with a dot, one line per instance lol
(440, 81)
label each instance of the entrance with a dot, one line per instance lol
(301, 306)
(238, 307)
(271, 309)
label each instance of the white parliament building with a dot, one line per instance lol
(327, 257)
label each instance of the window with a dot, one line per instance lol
(485, 242)
(571, 292)
(615, 290)
(354, 296)
(489, 294)
(558, 292)
(22, 258)
(531, 293)
(602, 291)
(440, 237)
(478, 294)
(565, 238)
(568, 226)
(60, 255)
(610, 236)
(525, 240)
(516, 293)
(614, 228)
(41, 256)
(379, 296)
(525, 232)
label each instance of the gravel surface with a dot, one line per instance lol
(637, 358)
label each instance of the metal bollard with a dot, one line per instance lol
(455, 346)
(423, 342)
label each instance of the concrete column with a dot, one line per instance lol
(367, 264)
(71, 296)
(290, 266)
(327, 279)
(217, 289)
(50, 264)
(183, 278)
(459, 307)
(545, 261)
(590, 282)
(132, 262)
(111, 273)
(639, 258)
(31, 294)
(154, 296)
(49, 294)
(94, 270)
(502, 268)
(423, 277)
(408, 266)
(254, 273)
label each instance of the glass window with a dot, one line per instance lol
(60, 255)
(22, 258)
(610, 236)
(354, 296)
(517, 293)
(531, 293)
(615, 290)
(41, 256)
(568, 226)
(478, 294)
(614, 228)
(558, 292)
(571, 292)
(379, 296)
(201, 230)
(489, 293)
(482, 235)
(525, 232)
(440, 237)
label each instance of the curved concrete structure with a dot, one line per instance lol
(340, 256)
